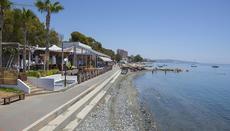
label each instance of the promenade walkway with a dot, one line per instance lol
(19, 115)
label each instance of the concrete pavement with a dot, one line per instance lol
(17, 116)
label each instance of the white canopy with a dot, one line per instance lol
(55, 48)
(105, 59)
(78, 51)
(82, 48)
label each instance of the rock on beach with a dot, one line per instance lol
(120, 110)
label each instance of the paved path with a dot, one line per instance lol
(19, 115)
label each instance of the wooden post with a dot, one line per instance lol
(82, 57)
(1, 30)
(74, 54)
(18, 66)
(90, 60)
(29, 61)
(86, 57)
(62, 58)
(96, 61)
(77, 61)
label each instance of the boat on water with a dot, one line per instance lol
(215, 66)
(164, 65)
(193, 65)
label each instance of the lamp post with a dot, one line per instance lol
(65, 60)
(62, 52)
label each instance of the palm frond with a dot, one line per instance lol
(56, 7)
(5, 4)
(41, 5)
(47, 2)
(27, 15)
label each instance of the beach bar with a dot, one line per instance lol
(82, 63)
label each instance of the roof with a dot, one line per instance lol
(69, 47)
(100, 54)
(86, 49)
(105, 59)
(53, 48)
(11, 44)
(78, 51)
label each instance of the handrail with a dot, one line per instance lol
(88, 74)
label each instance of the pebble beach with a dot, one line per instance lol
(120, 110)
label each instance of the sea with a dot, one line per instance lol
(197, 100)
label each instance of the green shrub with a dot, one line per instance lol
(42, 73)
(68, 65)
(4, 89)
(31, 73)
(52, 72)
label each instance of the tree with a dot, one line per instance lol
(137, 58)
(79, 37)
(4, 5)
(109, 52)
(26, 18)
(48, 7)
(36, 32)
(131, 58)
(118, 57)
(54, 38)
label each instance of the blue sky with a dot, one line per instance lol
(197, 30)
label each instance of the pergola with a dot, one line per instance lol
(12, 57)
(84, 56)
(55, 51)
(81, 55)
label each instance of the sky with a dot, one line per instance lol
(193, 30)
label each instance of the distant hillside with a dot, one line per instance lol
(174, 61)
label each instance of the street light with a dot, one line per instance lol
(62, 52)
(65, 60)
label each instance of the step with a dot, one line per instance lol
(69, 115)
(88, 108)
(37, 90)
(52, 115)
(84, 112)
(50, 120)
(30, 85)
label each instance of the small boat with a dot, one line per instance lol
(160, 66)
(215, 66)
(193, 65)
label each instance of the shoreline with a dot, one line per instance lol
(121, 109)
(149, 121)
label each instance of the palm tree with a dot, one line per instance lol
(26, 19)
(4, 4)
(48, 7)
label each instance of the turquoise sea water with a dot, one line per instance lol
(198, 100)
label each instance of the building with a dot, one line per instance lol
(122, 53)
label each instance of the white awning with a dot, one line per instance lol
(82, 48)
(105, 59)
(55, 48)
(78, 51)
